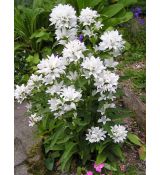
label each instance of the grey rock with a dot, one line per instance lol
(132, 101)
(24, 139)
(22, 131)
(19, 152)
(21, 170)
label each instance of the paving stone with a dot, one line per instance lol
(19, 152)
(21, 170)
(24, 139)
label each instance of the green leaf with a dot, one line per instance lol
(92, 3)
(70, 149)
(109, 167)
(116, 21)
(101, 157)
(127, 2)
(134, 139)
(49, 163)
(36, 58)
(59, 132)
(116, 149)
(29, 58)
(81, 4)
(87, 3)
(142, 152)
(112, 10)
(33, 59)
(65, 139)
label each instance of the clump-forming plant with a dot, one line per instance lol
(72, 93)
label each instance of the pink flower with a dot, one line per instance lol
(89, 173)
(98, 167)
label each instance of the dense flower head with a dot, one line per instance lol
(63, 35)
(56, 88)
(63, 16)
(95, 134)
(88, 16)
(73, 51)
(70, 94)
(112, 40)
(66, 100)
(119, 133)
(106, 82)
(52, 68)
(20, 93)
(92, 66)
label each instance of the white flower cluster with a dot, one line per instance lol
(66, 99)
(73, 51)
(92, 66)
(33, 119)
(21, 92)
(65, 21)
(88, 18)
(95, 134)
(112, 40)
(119, 133)
(61, 76)
(52, 68)
(105, 80)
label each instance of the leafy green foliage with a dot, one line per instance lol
(134, 139)
(32, 35)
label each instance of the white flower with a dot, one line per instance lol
(112, 40)
(20, 93)
(63, 35)
(73, 51)
(106, 81)
(88, 32)
(105, 106)
(72, 75)
(33, 119)
(88, 16)
(52, 68)
(98, 25)
(28, 106)
(103, 120)
(63, 16)
(110, 63)
(55, 104)
(56, 88)
(92, 66)
(119, 133)
(95, 134)
(36, 78)
(34, 81)
(70, 94)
